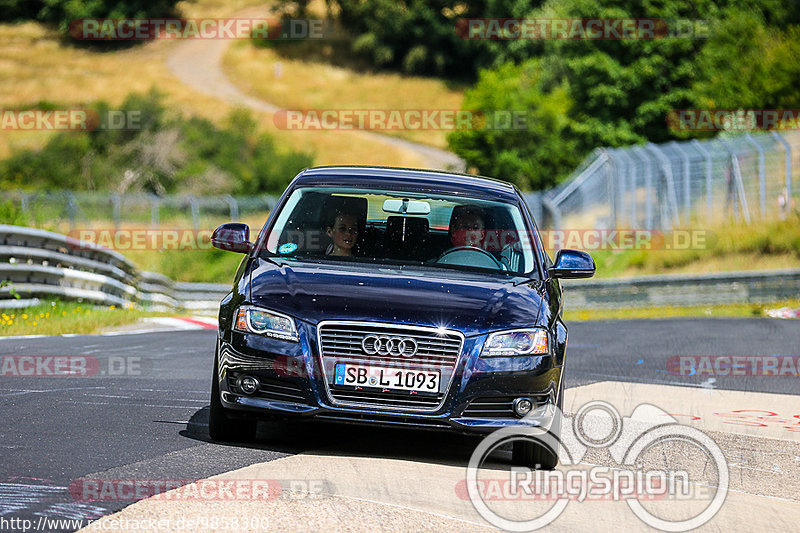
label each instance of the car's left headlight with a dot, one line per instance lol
(251, 319)
(516, 342)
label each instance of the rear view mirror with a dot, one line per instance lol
(572, 264)
(233, 236)
(406, 206)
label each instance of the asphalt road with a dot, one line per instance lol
(143, 414)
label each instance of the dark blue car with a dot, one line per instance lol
(395, 297)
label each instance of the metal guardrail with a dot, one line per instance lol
(43, 264)
(757, 287)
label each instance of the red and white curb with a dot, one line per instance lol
(161, 324)
(784, 312)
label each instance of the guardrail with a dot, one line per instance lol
(757, 287)
(44, 264)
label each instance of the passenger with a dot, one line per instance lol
(468, 226)
(343, 231)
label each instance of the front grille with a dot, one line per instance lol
(498, 406)
(341, 342)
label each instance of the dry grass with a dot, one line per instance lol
(37, 65)
(313, 85)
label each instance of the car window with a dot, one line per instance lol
(398, 227)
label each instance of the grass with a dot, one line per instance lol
(309, 84)
(759, 246)
(59, 317)
(630, 313)
(37, 65)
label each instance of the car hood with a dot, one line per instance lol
(470, 302)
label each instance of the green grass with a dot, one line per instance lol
(730, 310)
(207, 266)
(59, 317)
(759, 246)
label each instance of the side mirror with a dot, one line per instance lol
(572, 264)
(233, 237)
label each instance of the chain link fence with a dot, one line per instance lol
(659, 187)
(677, 184)
(71, 209)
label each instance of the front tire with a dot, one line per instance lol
(221, 427)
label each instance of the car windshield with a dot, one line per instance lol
(401, 228)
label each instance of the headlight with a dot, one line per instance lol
(268, 323)
(516, 342)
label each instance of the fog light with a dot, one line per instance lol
(522, 406)
(249, 384)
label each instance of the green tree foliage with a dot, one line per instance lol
(158, 153)
(62, 12)
(619, 92)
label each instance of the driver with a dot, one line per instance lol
(468, 226)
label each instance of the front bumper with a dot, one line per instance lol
(478, 399)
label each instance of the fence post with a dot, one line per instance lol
(788, 149)
(641, 155)
(673, 199)
(555, 212)
(614, 186)
(195, 212)
(687, 184)
(709, 166)
(115, 202)
(71, 210)
(737, 178)
(155, 217)
(23, 205)
(233, 206)
(762, 175)
(630, 174)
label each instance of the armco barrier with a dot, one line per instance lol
(44, 264)
(758, 287)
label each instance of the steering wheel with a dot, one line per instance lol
(448, 258)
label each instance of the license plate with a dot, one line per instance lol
(387, 378)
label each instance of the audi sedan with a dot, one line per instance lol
(395, 297)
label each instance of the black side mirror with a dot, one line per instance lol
(233, 236)
(572, 264)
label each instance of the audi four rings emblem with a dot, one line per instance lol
(384, 345)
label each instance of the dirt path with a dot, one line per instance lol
(198, 64)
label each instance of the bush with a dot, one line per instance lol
(166, 153)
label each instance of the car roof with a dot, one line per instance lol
(410, 179)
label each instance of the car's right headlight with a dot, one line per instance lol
(531, 341)
(250, 319)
